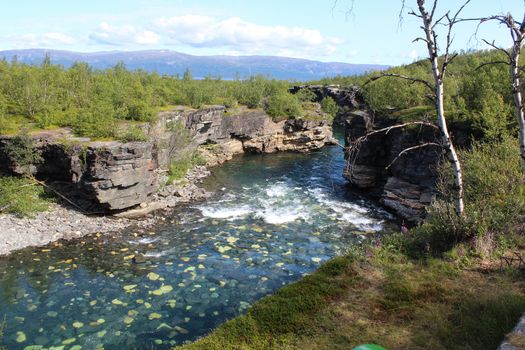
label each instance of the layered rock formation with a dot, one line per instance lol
(407, 185)
(112, 176)
(222, 133)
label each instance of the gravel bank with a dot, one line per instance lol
(64, 223)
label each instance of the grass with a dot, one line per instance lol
(22, 197)
(417, 113)
(378, 295)
(180, 166)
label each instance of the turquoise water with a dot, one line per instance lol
(274, 219)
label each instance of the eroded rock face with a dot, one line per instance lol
(251, 131)
(113, 176)
(407, 185)
(120, 175)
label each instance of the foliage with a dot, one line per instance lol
(133, 133)
(93, 102)
(306, 95)
(282, 105)
(180, 165)
(21, 196)
(328, 105)
(22, 151)
(494, 202)
(480, 96)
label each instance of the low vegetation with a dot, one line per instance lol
(379, 295)
(181, 164)
(22, 196)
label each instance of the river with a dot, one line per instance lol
(274, 219)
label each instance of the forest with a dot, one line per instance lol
(92, 102)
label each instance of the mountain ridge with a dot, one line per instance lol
(175, 63)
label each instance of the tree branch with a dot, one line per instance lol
(386, 130)
(413, 80)
(58, 194)
(491, 63)
(497, 48)
(406, 150)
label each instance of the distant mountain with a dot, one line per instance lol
(173, 63)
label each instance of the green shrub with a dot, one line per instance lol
(96, 121)
(22, 196)
(140, 111)
(10, 124)
(180, 165)
(22, 151)
(306, 95)
(494, 201)
(282, 105)
(329, 106)
(133, 133)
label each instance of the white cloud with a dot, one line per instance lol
(231, 34)
(236, 33)
(124, 35)
(41, 40)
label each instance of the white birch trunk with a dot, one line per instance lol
(440, 108)
(518, 98)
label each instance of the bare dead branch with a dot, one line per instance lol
(352, 151)
(433, 11)
(420, 39)
(409, 149)
(494, 46)
(404, 77)
(390, 128)
(490, 64)
(348, 12)
(58, 194)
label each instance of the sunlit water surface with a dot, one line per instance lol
(274, 219)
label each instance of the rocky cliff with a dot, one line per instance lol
(113, 176)
(407, 185)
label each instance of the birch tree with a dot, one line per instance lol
(512, 55)
(430, 23)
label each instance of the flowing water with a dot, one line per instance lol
(274, 219)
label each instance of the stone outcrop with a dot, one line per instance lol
(406, 186)
(222, 133)
(114, 176)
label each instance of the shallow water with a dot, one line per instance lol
(275, 218)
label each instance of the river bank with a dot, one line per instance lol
(64, 222)
(378, 294)
(130, 180)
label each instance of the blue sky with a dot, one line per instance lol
(312, 29)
